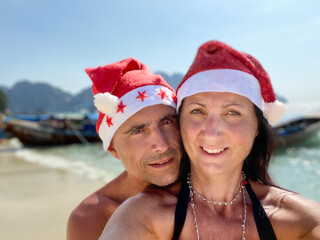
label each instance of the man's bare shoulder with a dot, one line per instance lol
(91, 215)
(104, 200)
(98, 203)
(158, 196)
(289, 211)
(147, 215)
(151, 199)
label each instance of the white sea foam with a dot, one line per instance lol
(64, 158)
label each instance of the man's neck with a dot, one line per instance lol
(126, 186)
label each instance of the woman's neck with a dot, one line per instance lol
(217, 187)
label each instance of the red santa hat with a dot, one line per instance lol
(123, 88)
(220, 68)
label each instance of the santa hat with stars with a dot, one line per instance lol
(123, 88)
(218, 67)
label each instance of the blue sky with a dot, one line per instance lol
(53, 40)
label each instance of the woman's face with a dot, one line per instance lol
(218, 131)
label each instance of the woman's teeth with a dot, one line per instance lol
(213, 150)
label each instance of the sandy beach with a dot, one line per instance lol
(35, 201)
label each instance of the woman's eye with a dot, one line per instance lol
(196, 111)
(233, 113)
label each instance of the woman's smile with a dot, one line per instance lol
(213, 151)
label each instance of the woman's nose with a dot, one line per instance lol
(213, 126)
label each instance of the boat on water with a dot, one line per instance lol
(297, 130)
(54, 129)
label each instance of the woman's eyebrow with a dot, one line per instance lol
(232, 104)
(196, 103)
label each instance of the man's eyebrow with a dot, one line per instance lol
(137, 126)
(169, 116)
(143, 125)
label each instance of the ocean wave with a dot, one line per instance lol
(73, 159)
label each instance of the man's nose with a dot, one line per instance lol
(159, 140)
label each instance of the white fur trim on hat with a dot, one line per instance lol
(234, 81)
(273, 111)
(133, 105)
(222, 80)
(106, 102)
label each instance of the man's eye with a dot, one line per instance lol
(136, 131)
(166, 122)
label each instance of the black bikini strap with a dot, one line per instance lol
(264, 226)
(181, 209)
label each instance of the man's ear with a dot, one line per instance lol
(113, 151)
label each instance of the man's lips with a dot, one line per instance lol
(213, 150)
(162, 162)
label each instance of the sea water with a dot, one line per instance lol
(296, 168)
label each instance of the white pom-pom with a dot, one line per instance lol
(273, 111)
(106, 102)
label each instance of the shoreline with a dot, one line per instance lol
(36, 201)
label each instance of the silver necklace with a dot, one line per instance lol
(242, 189)
(214, 202)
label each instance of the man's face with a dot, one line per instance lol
(149, 145)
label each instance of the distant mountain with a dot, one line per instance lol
(83, 100)
(173, 80)
(5, 89)
(37, 97)
(27, 97)
(281, 98)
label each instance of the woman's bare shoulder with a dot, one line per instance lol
(289, 211)
(283, 198)
(292, 201)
